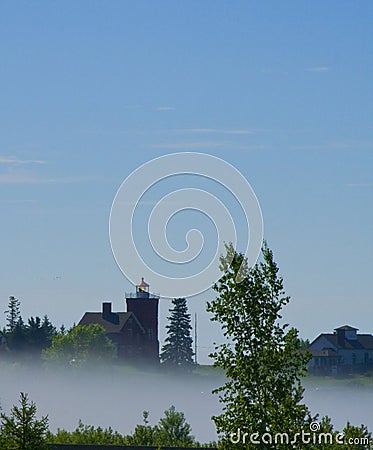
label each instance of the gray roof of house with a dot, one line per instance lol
(110, 326)
(362, 341)
(346, 328)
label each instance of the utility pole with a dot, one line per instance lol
(195, 338)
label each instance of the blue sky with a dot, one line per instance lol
(92, 90)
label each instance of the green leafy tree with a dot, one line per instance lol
(173, 430)
(22, 430)
(351, 437)
(262, 358)
(13, 314)
(87, 434)
(304, 344)
(177, 351)
(81, 345)
(143, 435)
(356, 438)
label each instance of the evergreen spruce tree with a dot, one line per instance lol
(13, 314)
(39, 334)
(22, 430)
(173, 430)
(17, 338)
(177, 351)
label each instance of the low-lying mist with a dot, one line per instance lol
(113, 398)
(117, 398)
(342, 400)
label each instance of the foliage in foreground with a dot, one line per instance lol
(261, 357)
(264, 364)
(172, 430)
(22, 430)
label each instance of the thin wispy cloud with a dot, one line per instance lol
(210, 145)
(72, 180)
(317, 69)
(189, 145)
(15, 177)
(237, 132)
(147, 203)
(13, 160)
(19, 177)
(216, 130)
(166, 108)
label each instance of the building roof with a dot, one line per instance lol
(346, 328)
(110, 327)
(362, 341)
(142, 283)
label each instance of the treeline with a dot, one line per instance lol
(172, 430)
(21, 429)
(39, 340)
(26, 340)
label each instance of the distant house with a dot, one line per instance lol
(343, 351)
(134, 333)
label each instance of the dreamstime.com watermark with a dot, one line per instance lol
(311, 436)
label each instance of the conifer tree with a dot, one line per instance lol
(13, 314)
(22, 430)
(17, 338)
(177, 351)
(173, 430)
(39, 334)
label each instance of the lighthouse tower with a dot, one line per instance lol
(145, 307)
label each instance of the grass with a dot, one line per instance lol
(355, 380)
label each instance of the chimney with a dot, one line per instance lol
(108, 315)
(340, 337)
(106, 310)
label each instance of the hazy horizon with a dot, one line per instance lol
(118, 400)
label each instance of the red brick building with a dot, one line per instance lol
(134, 333)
